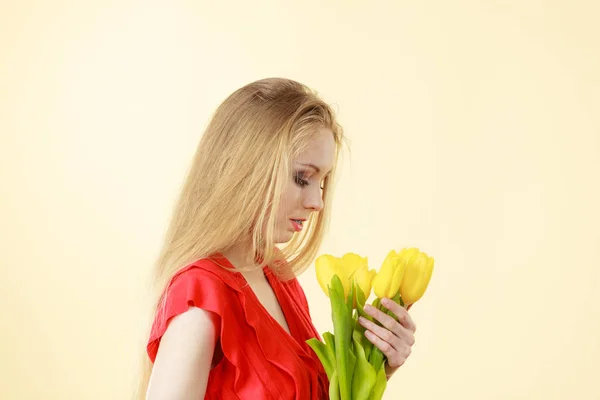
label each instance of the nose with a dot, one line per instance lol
(313, 200)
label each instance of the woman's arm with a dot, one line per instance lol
(184, 357)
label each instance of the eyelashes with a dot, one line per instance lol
(300, 179)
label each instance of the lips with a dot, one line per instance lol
(297, 224)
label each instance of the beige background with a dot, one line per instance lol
(475, 135)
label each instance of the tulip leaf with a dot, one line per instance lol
(330, 343)
(350, 299)
(342, 336)
(360, 295)
(377, 303)
(365, 343)
(334, 387)
(357, 335)
(368, 349)
(327, 359)
(364, 377)
(376, 358)
(380, 384)
(360, 304)
(351, 365)
(400, 301)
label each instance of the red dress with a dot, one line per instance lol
(255, 358)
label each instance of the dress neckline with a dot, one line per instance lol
(274, 283)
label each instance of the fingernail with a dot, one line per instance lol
(385, 301)
(368, 308)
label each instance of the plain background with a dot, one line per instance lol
(475, 136)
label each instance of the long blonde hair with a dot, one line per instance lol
(241, 167)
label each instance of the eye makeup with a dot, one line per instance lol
(302, 180)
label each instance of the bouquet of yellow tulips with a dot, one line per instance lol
(354, 366)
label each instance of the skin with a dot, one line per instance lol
(395, 338)
(184, 358)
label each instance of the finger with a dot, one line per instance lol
(402, 314)
(397, 336)
(395, 357)
(385, 320)
(386, 348)
(381, 333)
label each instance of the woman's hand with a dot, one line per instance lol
(394, 338)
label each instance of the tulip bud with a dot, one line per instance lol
(350, 268)
(326, 266)
(419, 268)
(363, 278)
(387, 281)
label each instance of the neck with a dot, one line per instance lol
(241, 256)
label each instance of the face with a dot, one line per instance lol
(304, 194)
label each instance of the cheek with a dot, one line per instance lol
(289, 202)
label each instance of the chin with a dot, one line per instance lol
(284, 237)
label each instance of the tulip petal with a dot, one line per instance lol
(325, 268)
(383, 279)
(396, 280)
(363, 279)
(347, 267)
(352, 262)
(419, 269)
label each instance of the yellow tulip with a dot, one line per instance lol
(387, 281)
(363, 278)
(353, 261)
(349, 268)
(326, 266)
(358, 269)
(419, 268)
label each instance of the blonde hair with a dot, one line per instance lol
(239, 172)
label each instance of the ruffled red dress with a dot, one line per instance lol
(255, 358)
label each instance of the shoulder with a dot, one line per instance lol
(204, 288)
(205, 277)
(212, 268)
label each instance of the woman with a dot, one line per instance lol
(231, 321)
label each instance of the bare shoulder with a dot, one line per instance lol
(184, 357)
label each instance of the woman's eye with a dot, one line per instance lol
(300, 180)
